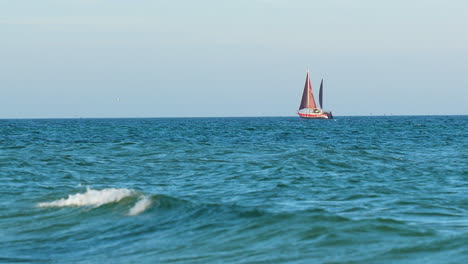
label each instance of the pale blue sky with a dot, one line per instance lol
(150, 58)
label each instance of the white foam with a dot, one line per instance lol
(91, 197)
(140, 206)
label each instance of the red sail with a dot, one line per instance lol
(308, 100)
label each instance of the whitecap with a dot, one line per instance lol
(140, 206)
(91, 198)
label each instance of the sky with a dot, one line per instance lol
(210, 58)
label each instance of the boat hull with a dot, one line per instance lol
(326, 115)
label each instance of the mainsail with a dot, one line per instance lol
(321, 95)
(308, 100)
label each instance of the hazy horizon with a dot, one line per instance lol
(209, 117)
(150, 59)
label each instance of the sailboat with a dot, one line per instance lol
(308, 109)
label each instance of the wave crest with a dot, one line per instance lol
(140, 206)
(91, 197)
(100, 197)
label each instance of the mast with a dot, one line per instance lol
(308, 100)
(321, 95)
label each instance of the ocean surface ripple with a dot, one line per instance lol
(234, 190)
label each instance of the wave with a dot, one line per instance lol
(98, 198)
(172, 211)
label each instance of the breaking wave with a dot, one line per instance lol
(100, 197)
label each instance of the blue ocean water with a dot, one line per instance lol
(234, 190)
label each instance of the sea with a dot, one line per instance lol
(376, 189)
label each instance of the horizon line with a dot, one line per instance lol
(194, 117)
